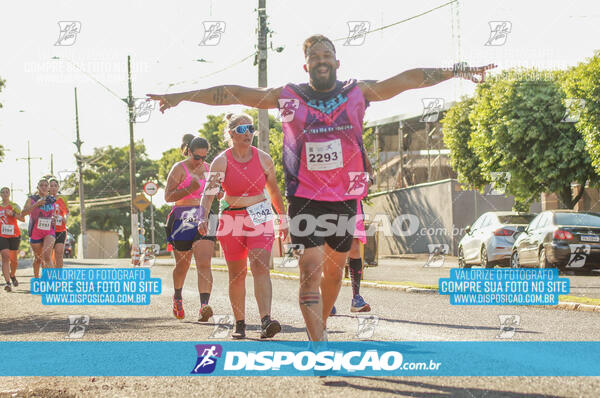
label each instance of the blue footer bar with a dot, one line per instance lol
(290, 358)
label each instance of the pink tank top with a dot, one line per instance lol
(197, 194)
(244, 179)
(323, 151)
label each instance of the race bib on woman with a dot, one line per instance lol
(8, 229)
(44, 224)
(260, 213)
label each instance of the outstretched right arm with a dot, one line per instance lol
(263, 98)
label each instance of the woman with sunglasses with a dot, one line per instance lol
(185, 184)
(40, 208)
(245, 225)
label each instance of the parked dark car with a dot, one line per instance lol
(565, 239)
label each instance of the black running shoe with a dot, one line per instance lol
(14, 281)
(269, 328)
(240, 330)
(7, 287)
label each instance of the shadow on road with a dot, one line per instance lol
(443, 325)
(443, 391)
(59, 323)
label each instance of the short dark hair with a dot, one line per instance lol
(314, 39)
(198, 143)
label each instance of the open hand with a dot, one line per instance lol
(166, 100)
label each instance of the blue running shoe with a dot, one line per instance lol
(333, 311)
(359, 305)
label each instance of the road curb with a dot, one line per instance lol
(567, 305)
(562, 305)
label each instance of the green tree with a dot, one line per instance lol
(166, 162)
(583, 82)
(106, 174)
(517, 128)
(457, 137)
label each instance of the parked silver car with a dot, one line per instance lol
(488, 242)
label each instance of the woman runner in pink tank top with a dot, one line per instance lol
(185, 184)
(245, 225)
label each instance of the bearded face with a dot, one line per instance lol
(321, 66)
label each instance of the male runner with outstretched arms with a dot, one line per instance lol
(321, 145)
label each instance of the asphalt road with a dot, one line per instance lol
(402, 316)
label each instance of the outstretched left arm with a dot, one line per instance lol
(418, 78)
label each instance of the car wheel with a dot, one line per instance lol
(461, 259)
(543, 261)
(484, 259)
(514, 260)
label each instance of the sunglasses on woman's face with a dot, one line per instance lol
(198, 157)
(243, 128)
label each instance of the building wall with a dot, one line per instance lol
(100, 244)
(433, 213)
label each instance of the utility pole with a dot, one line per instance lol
(135, 238)
(52, 164)
(80, 172)
(263, 115)
(29, 159)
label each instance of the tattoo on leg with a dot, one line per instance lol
(219, 95)
(310, 298)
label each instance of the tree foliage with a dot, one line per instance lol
(106, 174)
(457, 137)
(515, 128)
(583, 82)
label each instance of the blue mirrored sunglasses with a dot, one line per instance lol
(243, 128)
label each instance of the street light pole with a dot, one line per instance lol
(263, 115)
(29, 158)
(80, 172)
(131, 108)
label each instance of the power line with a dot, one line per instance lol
(90, 76)
(402, 21)
(212, 73)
